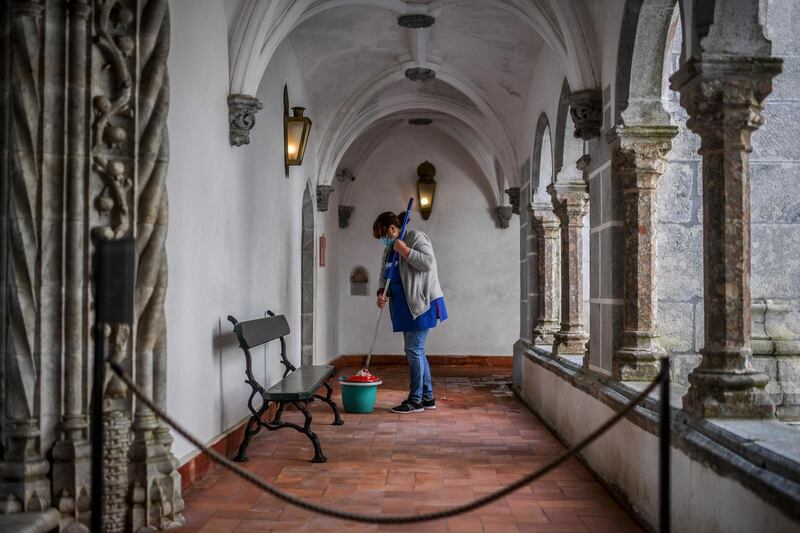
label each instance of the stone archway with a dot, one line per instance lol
(307, 280)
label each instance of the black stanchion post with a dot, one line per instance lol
(664, 458)
(114, 267)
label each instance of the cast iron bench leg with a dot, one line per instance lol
(327, 399)
(318, 457)
(253, 427)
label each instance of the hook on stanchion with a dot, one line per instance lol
(114, 275)
(663, 448)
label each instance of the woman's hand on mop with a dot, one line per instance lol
(401, 248)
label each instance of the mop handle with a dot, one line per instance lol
(389, 273)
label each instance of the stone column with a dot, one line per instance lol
(545, 223)
(638, 161)
(723, 95)
(24, 483)
(71, 469)
(571, 204)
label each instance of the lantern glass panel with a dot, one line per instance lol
(426, 189)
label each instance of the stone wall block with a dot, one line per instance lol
(775, 196)
(676, 192)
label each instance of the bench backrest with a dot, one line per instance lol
(252, 333)
(261, 330)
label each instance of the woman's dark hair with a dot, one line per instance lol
(381, 225)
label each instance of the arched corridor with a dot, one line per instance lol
(615, 183)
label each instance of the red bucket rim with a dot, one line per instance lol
(362, 379)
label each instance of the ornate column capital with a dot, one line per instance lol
(639, 154)
(714, 88)
(344, 215)
(513, 199)
(503, 214)
(545, 219)
(586, 110)
(570, 201)
(242, 110)
(323, 193)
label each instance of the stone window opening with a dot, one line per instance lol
(359, 282)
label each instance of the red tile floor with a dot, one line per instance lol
(480, 438)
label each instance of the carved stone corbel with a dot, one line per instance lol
(323, 194)
(242, 110)
(344, 215)
(503, 214)
(513, 199)
(586, 110)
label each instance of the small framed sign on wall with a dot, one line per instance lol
(323, 242)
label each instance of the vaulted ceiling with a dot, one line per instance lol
(354, 56)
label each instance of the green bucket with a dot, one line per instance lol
(359, 397)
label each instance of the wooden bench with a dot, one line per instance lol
(297, 387)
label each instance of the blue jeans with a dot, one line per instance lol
(419, 371)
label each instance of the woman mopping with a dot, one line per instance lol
(416, 302)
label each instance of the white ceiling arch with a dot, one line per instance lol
(263, 24)
(362, 101)
(336, 141)
(458, 132)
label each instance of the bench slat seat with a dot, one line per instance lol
(300, 384)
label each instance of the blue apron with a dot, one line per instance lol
(401, 315)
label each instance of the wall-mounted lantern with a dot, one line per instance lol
(426, 188)
(295, 133)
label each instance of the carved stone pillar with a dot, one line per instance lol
(503, 213)
(723, 96)
(242, 110)
(546, 225)
(513, 199)
(571, 204)
(84, 137)
(24, 483)
(71, 469)
(323, 194)
(586, 109)
(638, 161)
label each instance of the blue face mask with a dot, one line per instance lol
(387, 241)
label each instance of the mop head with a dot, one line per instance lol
(362, 376)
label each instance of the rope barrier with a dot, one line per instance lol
(384, 519)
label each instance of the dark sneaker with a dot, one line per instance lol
(408, 407)
(429, 405)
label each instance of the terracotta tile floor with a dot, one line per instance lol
(479, 438)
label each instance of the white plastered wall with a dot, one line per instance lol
(235, 223)
(477, 261)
